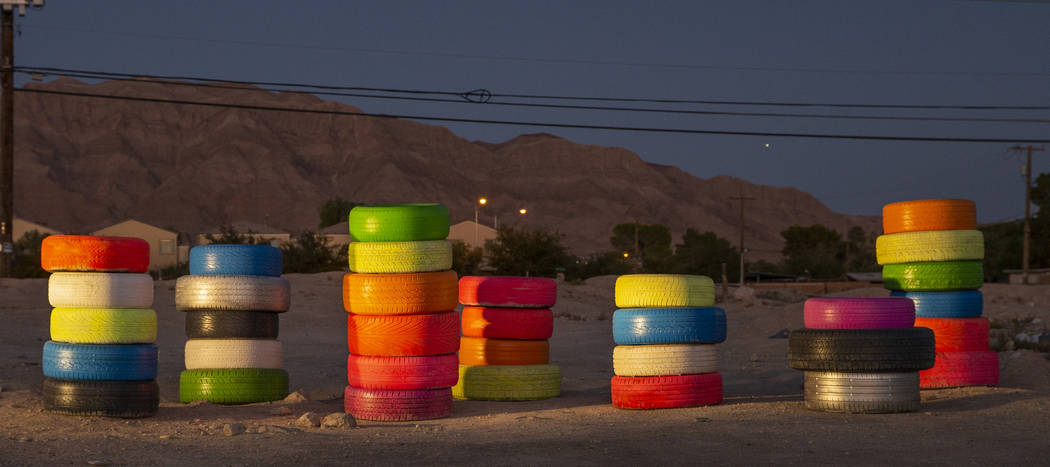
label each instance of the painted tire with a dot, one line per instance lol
(638, 326)
(933, 277)
(862, 392)
(100, 290)
(400, 294)
(957, 334)
(104, 325)
(956, 369)
(399, 222)
(664, 360)
(861, 350)
(508, 323)
(508, 291)
(225, 324)
(929, 214)
(91, 362)
(85, 253)
(233, 386)
(222, 292)
(122, 399)
(400, 257)
(939, 245)
(859, 313)
(233, 353)
(403, 335)
(397, 406)
(508, 383)
(402, 373)
(961, 304)
(666, 392)
(240, 260)
(664, 290)
(482, 351)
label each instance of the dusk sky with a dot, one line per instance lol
(886, 52)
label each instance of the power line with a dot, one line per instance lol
(467, 95)
(210, 84)
(539, 124)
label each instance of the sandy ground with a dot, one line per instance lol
(761, 421)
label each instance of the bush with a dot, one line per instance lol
(309, 252)
(26, 258)
(523, 252)
(229, 235)
(466, 261)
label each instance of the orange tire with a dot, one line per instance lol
(400, 294)
(85, 253)
(929, 214)
(403, 335)
(481, 351)
(957, 334)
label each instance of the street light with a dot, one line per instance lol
(523, 211)
(477, 207)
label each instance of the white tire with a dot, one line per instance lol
(232, 292)
(664, 359)
(233, 353)
(100, 290)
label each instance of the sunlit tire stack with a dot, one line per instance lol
(933, 252)
(402, 326)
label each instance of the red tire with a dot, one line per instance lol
(86, 253)
(402, 373)
(665, 392)
(481, 351)
(508, 292)
(403, 335)
(397, 406)
(859, 313)
(508, 323)
(955, 369)
(957, 334)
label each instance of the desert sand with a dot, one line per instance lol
(761, 421)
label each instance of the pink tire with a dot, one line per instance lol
(859, 313)
(397, 406)
(508, 292)
(402, 373)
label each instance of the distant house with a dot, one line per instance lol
(163, 244)
(262, 233)
(1035, 276)
(474, 235)
(338, 235)
(21, 226)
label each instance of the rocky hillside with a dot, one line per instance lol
(83, 162)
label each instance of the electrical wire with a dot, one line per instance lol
(538, 124)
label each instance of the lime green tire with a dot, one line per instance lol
(507, 382)
(664, 290)
(400, 257)
(933, 277)
(233, 386)
(399, 222)
(104, 325)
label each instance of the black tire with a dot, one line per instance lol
(219, 324)
(863, 350)
(123, 399)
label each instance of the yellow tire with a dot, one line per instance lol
(508, 382)
(400, 257)
(930, 246)
(104, 325)
(664, 290)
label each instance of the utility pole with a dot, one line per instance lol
(742, 199)
(1027, 208)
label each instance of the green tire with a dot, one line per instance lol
(507, 382)
(399, 222)
(233, 386)
(933, 276)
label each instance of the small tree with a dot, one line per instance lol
(815, 251)
(600, 264)
(522, 252)
(861, 249)
(26, 256)
(334, 211)
(704, 253)
(310, 252)
(654, 245)
(229, 235)
(466, 261)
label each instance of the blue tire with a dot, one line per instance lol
(90, 362)
(693, 325)
(961, 304)
(241, 260)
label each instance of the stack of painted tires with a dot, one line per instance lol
(402, 327)
(932, 254)
(232, 299)
(665, 332)
(101, 359)
(504, 354)
(861, 355)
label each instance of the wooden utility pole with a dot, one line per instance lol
(742, 199)
(1027, 208)
(7, 142)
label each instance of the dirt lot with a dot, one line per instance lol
(761, 421)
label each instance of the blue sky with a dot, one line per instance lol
(899, 52)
